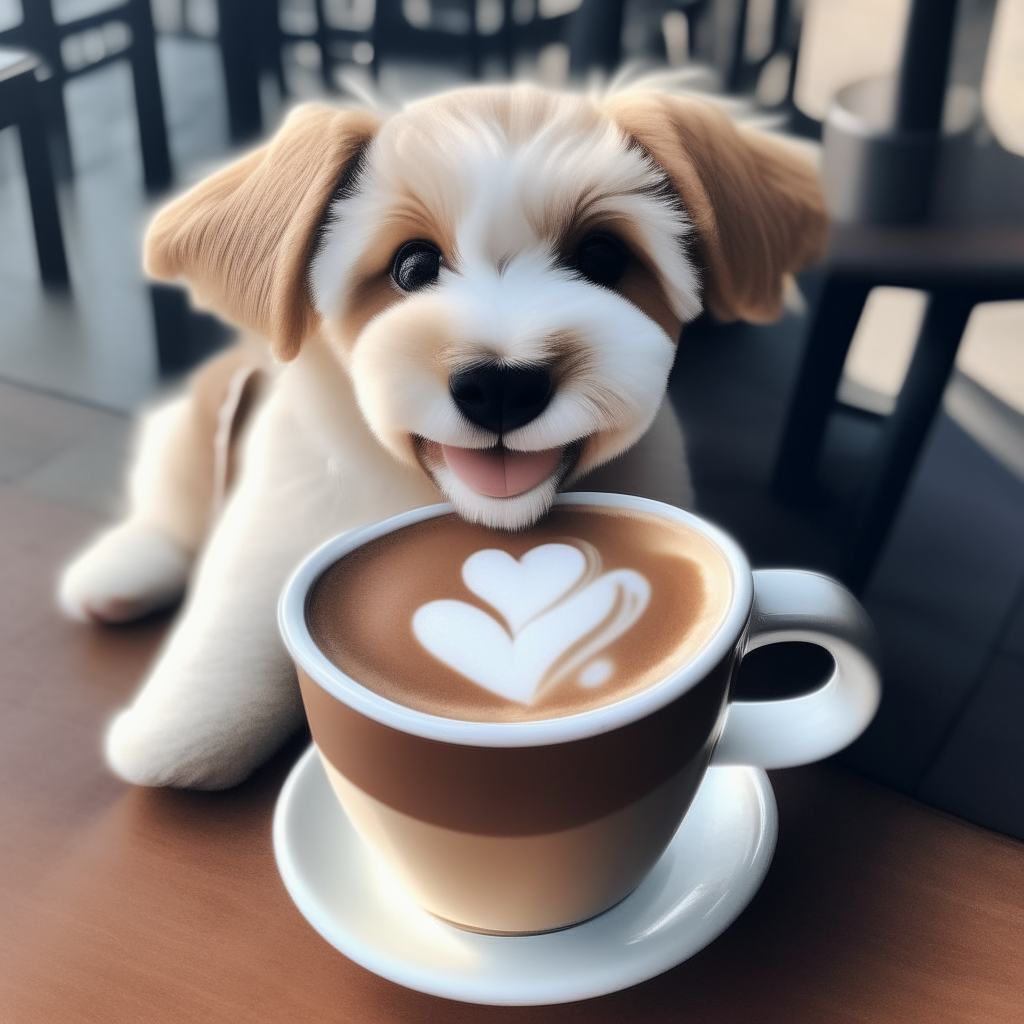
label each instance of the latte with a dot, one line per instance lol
(588, 607)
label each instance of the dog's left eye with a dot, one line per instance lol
(416, 265)
(602, 259)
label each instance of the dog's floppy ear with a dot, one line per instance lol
(757, 207)
(243, 239)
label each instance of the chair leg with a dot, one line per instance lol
(835, 321)
(508, 38)
(905, 430)
(475, 62)
(50, 101)
(42, 194)
(238, 38)
(149, 104)
(594, 37)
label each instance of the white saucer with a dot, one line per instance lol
(706, 877)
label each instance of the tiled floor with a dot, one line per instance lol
(947, 594)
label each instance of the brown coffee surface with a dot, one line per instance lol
(360, 611)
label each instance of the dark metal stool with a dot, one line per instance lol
(19, 106)
(880, 181)
(959, 267)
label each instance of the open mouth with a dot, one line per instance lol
(500, 472)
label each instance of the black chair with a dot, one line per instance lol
(529, 35)
(719, 38)
(184, 336)
(121, 31)
(19, 106)
(453, 32)
(595, 37)
(958, 265)
(252, 34)
(247, 34)
(363, 34)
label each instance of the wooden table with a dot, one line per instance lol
(138, 906)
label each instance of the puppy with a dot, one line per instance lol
(476, 299)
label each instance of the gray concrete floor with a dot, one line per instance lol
(98, 343)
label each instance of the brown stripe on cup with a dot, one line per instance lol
(518, 790)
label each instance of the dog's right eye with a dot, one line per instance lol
(601, 258)
(416, 265)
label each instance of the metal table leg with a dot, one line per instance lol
(835, 321)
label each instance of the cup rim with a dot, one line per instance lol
(540, 732)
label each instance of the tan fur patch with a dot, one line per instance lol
(371, 290)
(570, 356)
(641, 283)
(757, 207)
(224, 392)
(244, 238)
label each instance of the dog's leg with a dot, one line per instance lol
(143, 563)
(181, 464)
(223, 695)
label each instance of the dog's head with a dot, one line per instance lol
(503, 272)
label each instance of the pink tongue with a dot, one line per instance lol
(500, 474)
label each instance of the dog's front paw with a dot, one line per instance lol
(157, 744)
(141, 752)
(126, 573)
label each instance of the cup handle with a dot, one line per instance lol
(790, 604)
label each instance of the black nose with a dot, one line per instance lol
(500, 398)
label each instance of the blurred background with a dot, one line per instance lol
(876, 432)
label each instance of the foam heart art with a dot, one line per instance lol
(520, 589)
(559, 612)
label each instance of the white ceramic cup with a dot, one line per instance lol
(526, 826)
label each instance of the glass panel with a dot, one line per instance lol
(523, 11)
(882, 347)
(452, 16)
(65, 12)
(417, 13)
(349, 15)
(297, 17)
(490, 16)
(759, 30)
(992, 351)
(81, 49)
(676, 32)
(168, 16)
(773, 81)
(556, 8)
(10, 14)
(843, 41)
(202, 18)
(1002, 91)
